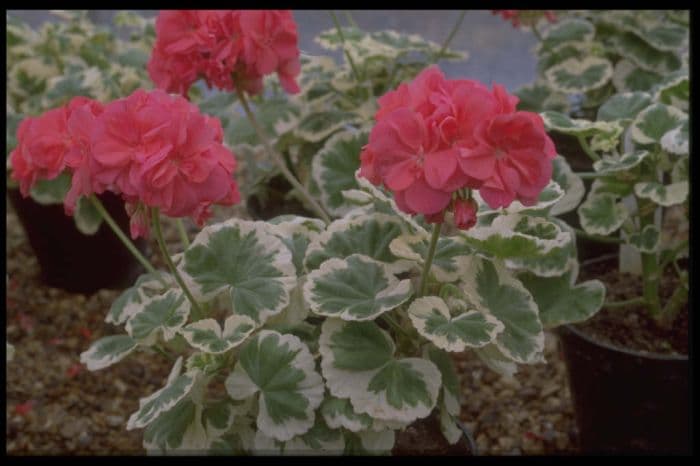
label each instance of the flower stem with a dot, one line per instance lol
(587, 149)
(196, 311)
(350, 19)
(451, 36)
(347, 54)
(626, 303)
(120, 234)
(183, 233)
(278, 160)
(587, 175)
(429, 260)
(601, 239)
(651, 272)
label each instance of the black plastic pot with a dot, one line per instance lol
(69, 259)
(627, 401)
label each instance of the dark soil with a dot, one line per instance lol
(632, 327)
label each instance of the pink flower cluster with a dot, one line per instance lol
(525, 17)
(226, 47)
(155, 149)
(435, 137)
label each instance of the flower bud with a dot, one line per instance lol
(465, 213)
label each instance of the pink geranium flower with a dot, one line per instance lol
(225, 47)
(436, 137)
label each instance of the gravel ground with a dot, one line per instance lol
(54, 406)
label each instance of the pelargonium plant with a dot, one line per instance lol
(587, 56)
(306, 335)
(639, 145)
(48, 68)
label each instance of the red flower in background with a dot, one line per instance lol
(525, 17)
(226, 48)
(155, 149)
(435, 137)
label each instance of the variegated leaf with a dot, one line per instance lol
(107, 351)
(677, 141)
(610, 165)
(470, 328)
(601, 214)
(497, 361)
(281, 368)
(296, 233)
(244, 259)
(575, 75)
(87, 218)
(654, 122)
(448, 260)
(363, 234)
(355, 288)
(561, 301)
(647, 240)
(624, 106)
(571, 183)
(646, 57)
(628, 77)
(206, 335)
(674, 91)
(494, 290)
(161, 315)
(334, 167)
(357, 362)
(562, 123)
(338, 413)
(574, 30)
(176, 388)
(133, 299)
(664, 195)
(316, 126)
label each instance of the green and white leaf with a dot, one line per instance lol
(516, 236)
(161, 315)
(577, 75)
(571, 183)
(561, 301)
(206, 335)
(556, 121)
(281, 368)
(178, 430)
(681, 170)
(493, 290)
(355, 288)
(49, 192)
(624, 106)
(497, 361)
(669, 38)
(449, 260)
(664, 195)
(177, 387)
(296, 233)
(107, 351)
(643, 55)
(555, 262)
(654, 122)
(316, 126)
(451, 388)
(601, 214)
(628, 77)
(357, 362)
(338, 412)
(646, 241)
(677, 140)
(674, 91)
(319, 440)
(574, 30)
(244, 259)
(133, 299)
(611, 164)
(550, 195)
(365, 234)
(334, 167)
(431, 317)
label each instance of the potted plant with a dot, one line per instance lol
(46, 69)
(302, 335)
(640, 180)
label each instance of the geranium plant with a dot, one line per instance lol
(46, 69)
(305, 335)
(639, 144)
(587, 56)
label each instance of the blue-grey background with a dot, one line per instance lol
(497, 52)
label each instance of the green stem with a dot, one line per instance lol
(429, 260)
(162, 351)
(626, 303)
(673, 306)
(196, 311)
(350, 19)
(673, 255)
(278, 160)
(537, 33)
(120, 234)
(587, 175)
(587, 149)
(395, 325)
(347, 54)
(183, 233)
(451, 36)
(651, 273)
(601, 239)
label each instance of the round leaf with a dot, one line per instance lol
(206, 335)
(107, 351)
(575, 75)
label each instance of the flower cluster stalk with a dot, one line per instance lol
(429, 259)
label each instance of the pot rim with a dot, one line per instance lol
(642, 354)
